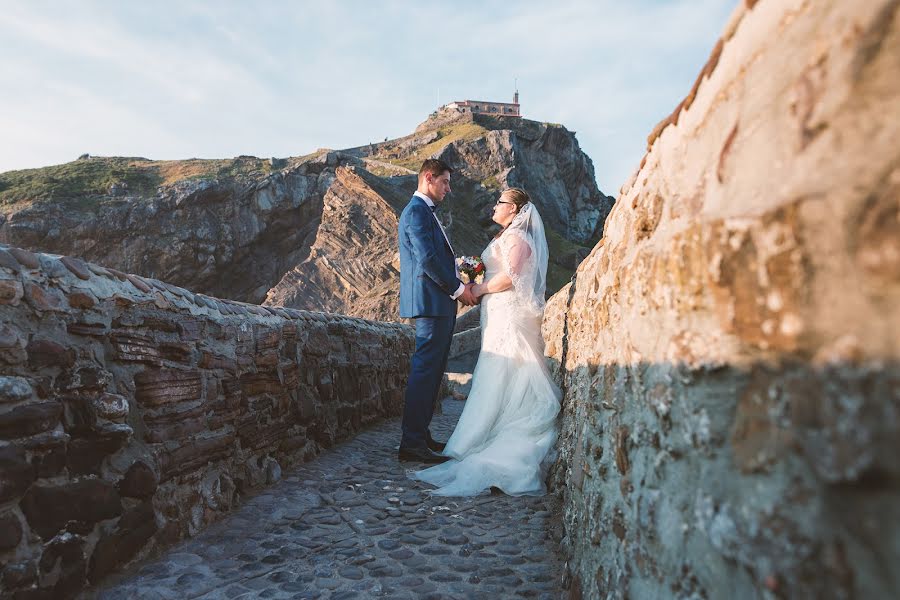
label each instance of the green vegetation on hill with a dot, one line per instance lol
(464, 132)
(77, 179)
(564, 258)
(224, 168)
(93, 177)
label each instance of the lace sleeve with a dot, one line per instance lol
(517, 256)
(515, 252)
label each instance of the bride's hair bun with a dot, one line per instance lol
(517, 196)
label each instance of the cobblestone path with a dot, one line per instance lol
(350, 524)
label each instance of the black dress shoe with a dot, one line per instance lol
(435, 445)
(423, 455)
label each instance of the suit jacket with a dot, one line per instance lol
(427, 265)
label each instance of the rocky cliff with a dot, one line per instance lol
(730, 350)
(314, 232)
(223, 229)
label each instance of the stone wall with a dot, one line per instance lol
(134, 413)
(729, 350)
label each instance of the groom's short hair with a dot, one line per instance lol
(435, 166)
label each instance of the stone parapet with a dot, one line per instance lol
(133, 412)
(730, 350)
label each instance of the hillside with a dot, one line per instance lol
(316, 231)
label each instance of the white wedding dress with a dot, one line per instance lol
(507, 430)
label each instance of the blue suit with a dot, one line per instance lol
(427, 282)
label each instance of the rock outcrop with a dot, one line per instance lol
(230, 236)
(353, 264)
(543, 159)
(315, 232)
(134, 412)
(730, 350)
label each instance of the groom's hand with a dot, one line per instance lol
(467, 297)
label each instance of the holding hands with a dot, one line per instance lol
(467, 297)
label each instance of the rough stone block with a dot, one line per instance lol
(133, 531)
(190, 330)
(8, 261)
(307, 405)
(65, 555)
(266, 360)
(140, 481)
(84, 379)
(139, 283)
(52, 267)
(48, 507)
(47, 353)
(10, 337)
(211, 360)
(325, 386)
(27, 259)
(193, 453)
(135, 318)
(166, 386)
(28, 419)
(134, 347)
(253, 384)
(96, 329)
(218, 491)
(180, 352)
(44, 441)
(86, 455)
(267, 339)
(82, 300)
(111, 406)
(255, 435)
(50, 460)
(16, 473)
(11, 292)
(76, 266)
(44, 299)
(166, 324)
(116, 273)
(20, 574)
(290, 375)
(14, 389)
(10, 531)
(177, 421)
(317, 343)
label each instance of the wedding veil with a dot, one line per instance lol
(525, 259)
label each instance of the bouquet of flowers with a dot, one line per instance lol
(471, 268)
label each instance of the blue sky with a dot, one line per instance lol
(170, 80)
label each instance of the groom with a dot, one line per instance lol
(429, 289)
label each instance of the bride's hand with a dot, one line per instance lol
(478, 290)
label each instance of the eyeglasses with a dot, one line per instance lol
(499, 202)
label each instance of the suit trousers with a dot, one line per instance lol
(433, 337)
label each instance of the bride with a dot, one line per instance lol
(508, 426)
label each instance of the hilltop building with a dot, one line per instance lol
(500, 109)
